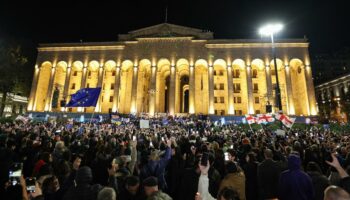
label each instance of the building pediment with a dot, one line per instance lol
(165, 30)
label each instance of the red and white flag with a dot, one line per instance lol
(264, 118)
(287, 121)
(250, 119)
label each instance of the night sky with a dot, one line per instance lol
(324, 23)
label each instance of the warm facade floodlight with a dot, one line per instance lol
(270, 29)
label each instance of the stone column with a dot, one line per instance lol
(50, 89)
(231, 109)
(83, 78)
(99, 84)
(310, 90)
(33, 88)
(116, 90)
(290, 108)
(268, 84)
(250, 89)
(211, 89)
(192, 91)
(133, 108)
(153, 91)
(66, 85)
(172, 90)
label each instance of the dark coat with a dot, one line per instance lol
(268, 177)
(320, 183)
(294, 183)
(251, 180)
(157, 169)
(189, 185)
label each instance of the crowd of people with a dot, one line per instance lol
(184, 159)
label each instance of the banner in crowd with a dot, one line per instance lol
(264, 118)
(144, 123)
(250, 119)
(85, 97)
(268, 118)
(287, 121)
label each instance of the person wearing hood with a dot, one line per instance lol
(83, 189)
(294, 183)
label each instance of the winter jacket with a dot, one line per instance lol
(157, 169)
(159, 196)
(268, 177)
(294, 183)
(320, 183)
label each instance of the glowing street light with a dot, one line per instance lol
(270, 30)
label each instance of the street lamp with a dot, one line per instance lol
(269, 30)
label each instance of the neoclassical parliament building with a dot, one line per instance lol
(174, 69)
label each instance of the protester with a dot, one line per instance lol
(73, 160)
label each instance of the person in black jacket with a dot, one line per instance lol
(319, 181)
(268, 177)
(251, 173)
(83, 190)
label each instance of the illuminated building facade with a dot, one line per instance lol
(174, 69)
(333, 98)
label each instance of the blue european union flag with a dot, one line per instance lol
(85, 97)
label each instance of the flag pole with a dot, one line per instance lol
(92, 116)
(290, 128)
(250, 127)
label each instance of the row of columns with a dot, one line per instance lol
(152, 98)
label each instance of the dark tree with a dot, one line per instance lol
(12, 72)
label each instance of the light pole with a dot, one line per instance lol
(269, 30)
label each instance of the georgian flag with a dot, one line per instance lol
(250, 119)
(287, 121)
(264, 118)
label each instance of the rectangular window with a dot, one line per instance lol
(238, 112)
(113, 73)
(104, 85)
(255, 73)
(73, 86)
(222, 100)
(112, 86)
(88, 85)
(70, 109)
(221, 72)
(234, 100)
(237, 88)
(222, 86)
(239, 100)
(215, 99)
(111, 99)
(102, 99)
(257, 112)
(214, 72)
(110, 110)
(89, 74)
(256, 88)
(237, 73)
(75, 73)
(273, 73)
(257, 100)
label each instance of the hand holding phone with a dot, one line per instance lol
(15, 173)
(30, 183)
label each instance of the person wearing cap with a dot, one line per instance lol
(152, 191)
(157, 162)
